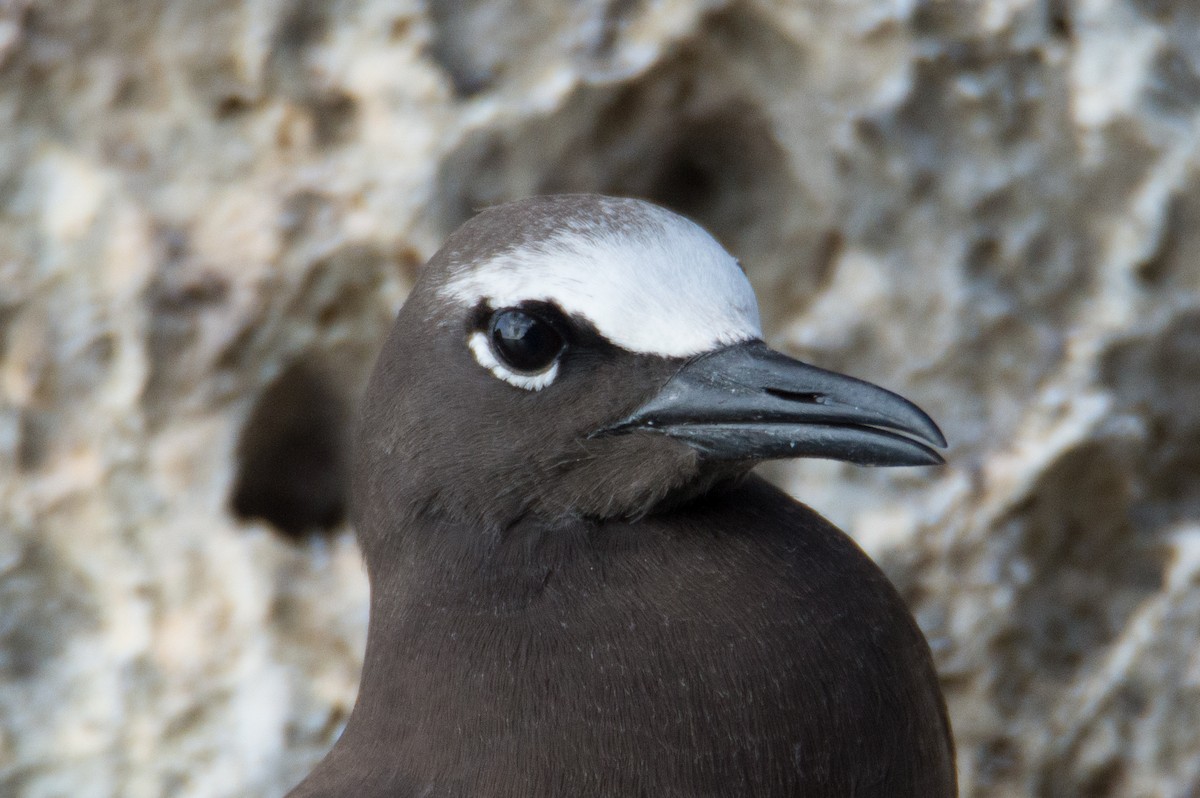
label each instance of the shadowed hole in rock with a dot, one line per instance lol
(714, 171)
(1108, 780)
(462, 33)
(1154, 375)
(33, 436)
(1076, 573)
(289, 72)
(1175, 85)
(1058, 19)
(47, 603)
(722, 167)
(303, 24)
(476, 47)
(1152, 268)
(177, 302)
(231, 106)
(1083, 569)
(334, 116)
(292, 469)
(997, 760)
(685, 183)
(1160, 10)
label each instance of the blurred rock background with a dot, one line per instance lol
(209, 212)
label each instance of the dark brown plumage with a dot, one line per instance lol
(557, 612)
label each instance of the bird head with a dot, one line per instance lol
(585, 356)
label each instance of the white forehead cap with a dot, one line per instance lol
(663, 286)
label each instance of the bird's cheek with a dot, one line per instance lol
(622, 477)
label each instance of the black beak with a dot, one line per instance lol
(749, 402)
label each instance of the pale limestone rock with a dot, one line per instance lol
(989, 205)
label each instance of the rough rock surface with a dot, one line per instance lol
(210, 210)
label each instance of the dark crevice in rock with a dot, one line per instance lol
(1080, 569)
(478, 48)
(232, 106)
(176, 301)
(303, 25)
(334, 116)
(46, 605)
(300, 212)
(340, 286)
(1155, 266)
(1154, 377)
(1058, 18)
(1175, 87)
(829, 250)
(292, 469)
(463, 42)
(289, 73)
(1169, 265)
(1161, 10)
(997, 760)
(33, 430)
(612, 21)
(715, 169)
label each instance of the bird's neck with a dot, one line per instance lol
(469, 617)
(448, 570)
(455, 607)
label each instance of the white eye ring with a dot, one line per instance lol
(482, 350)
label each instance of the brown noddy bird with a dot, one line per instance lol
(577, 587)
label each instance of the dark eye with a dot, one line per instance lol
(523, 341)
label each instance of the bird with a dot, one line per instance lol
(578, 587)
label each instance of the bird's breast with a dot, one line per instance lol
(662, 652)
